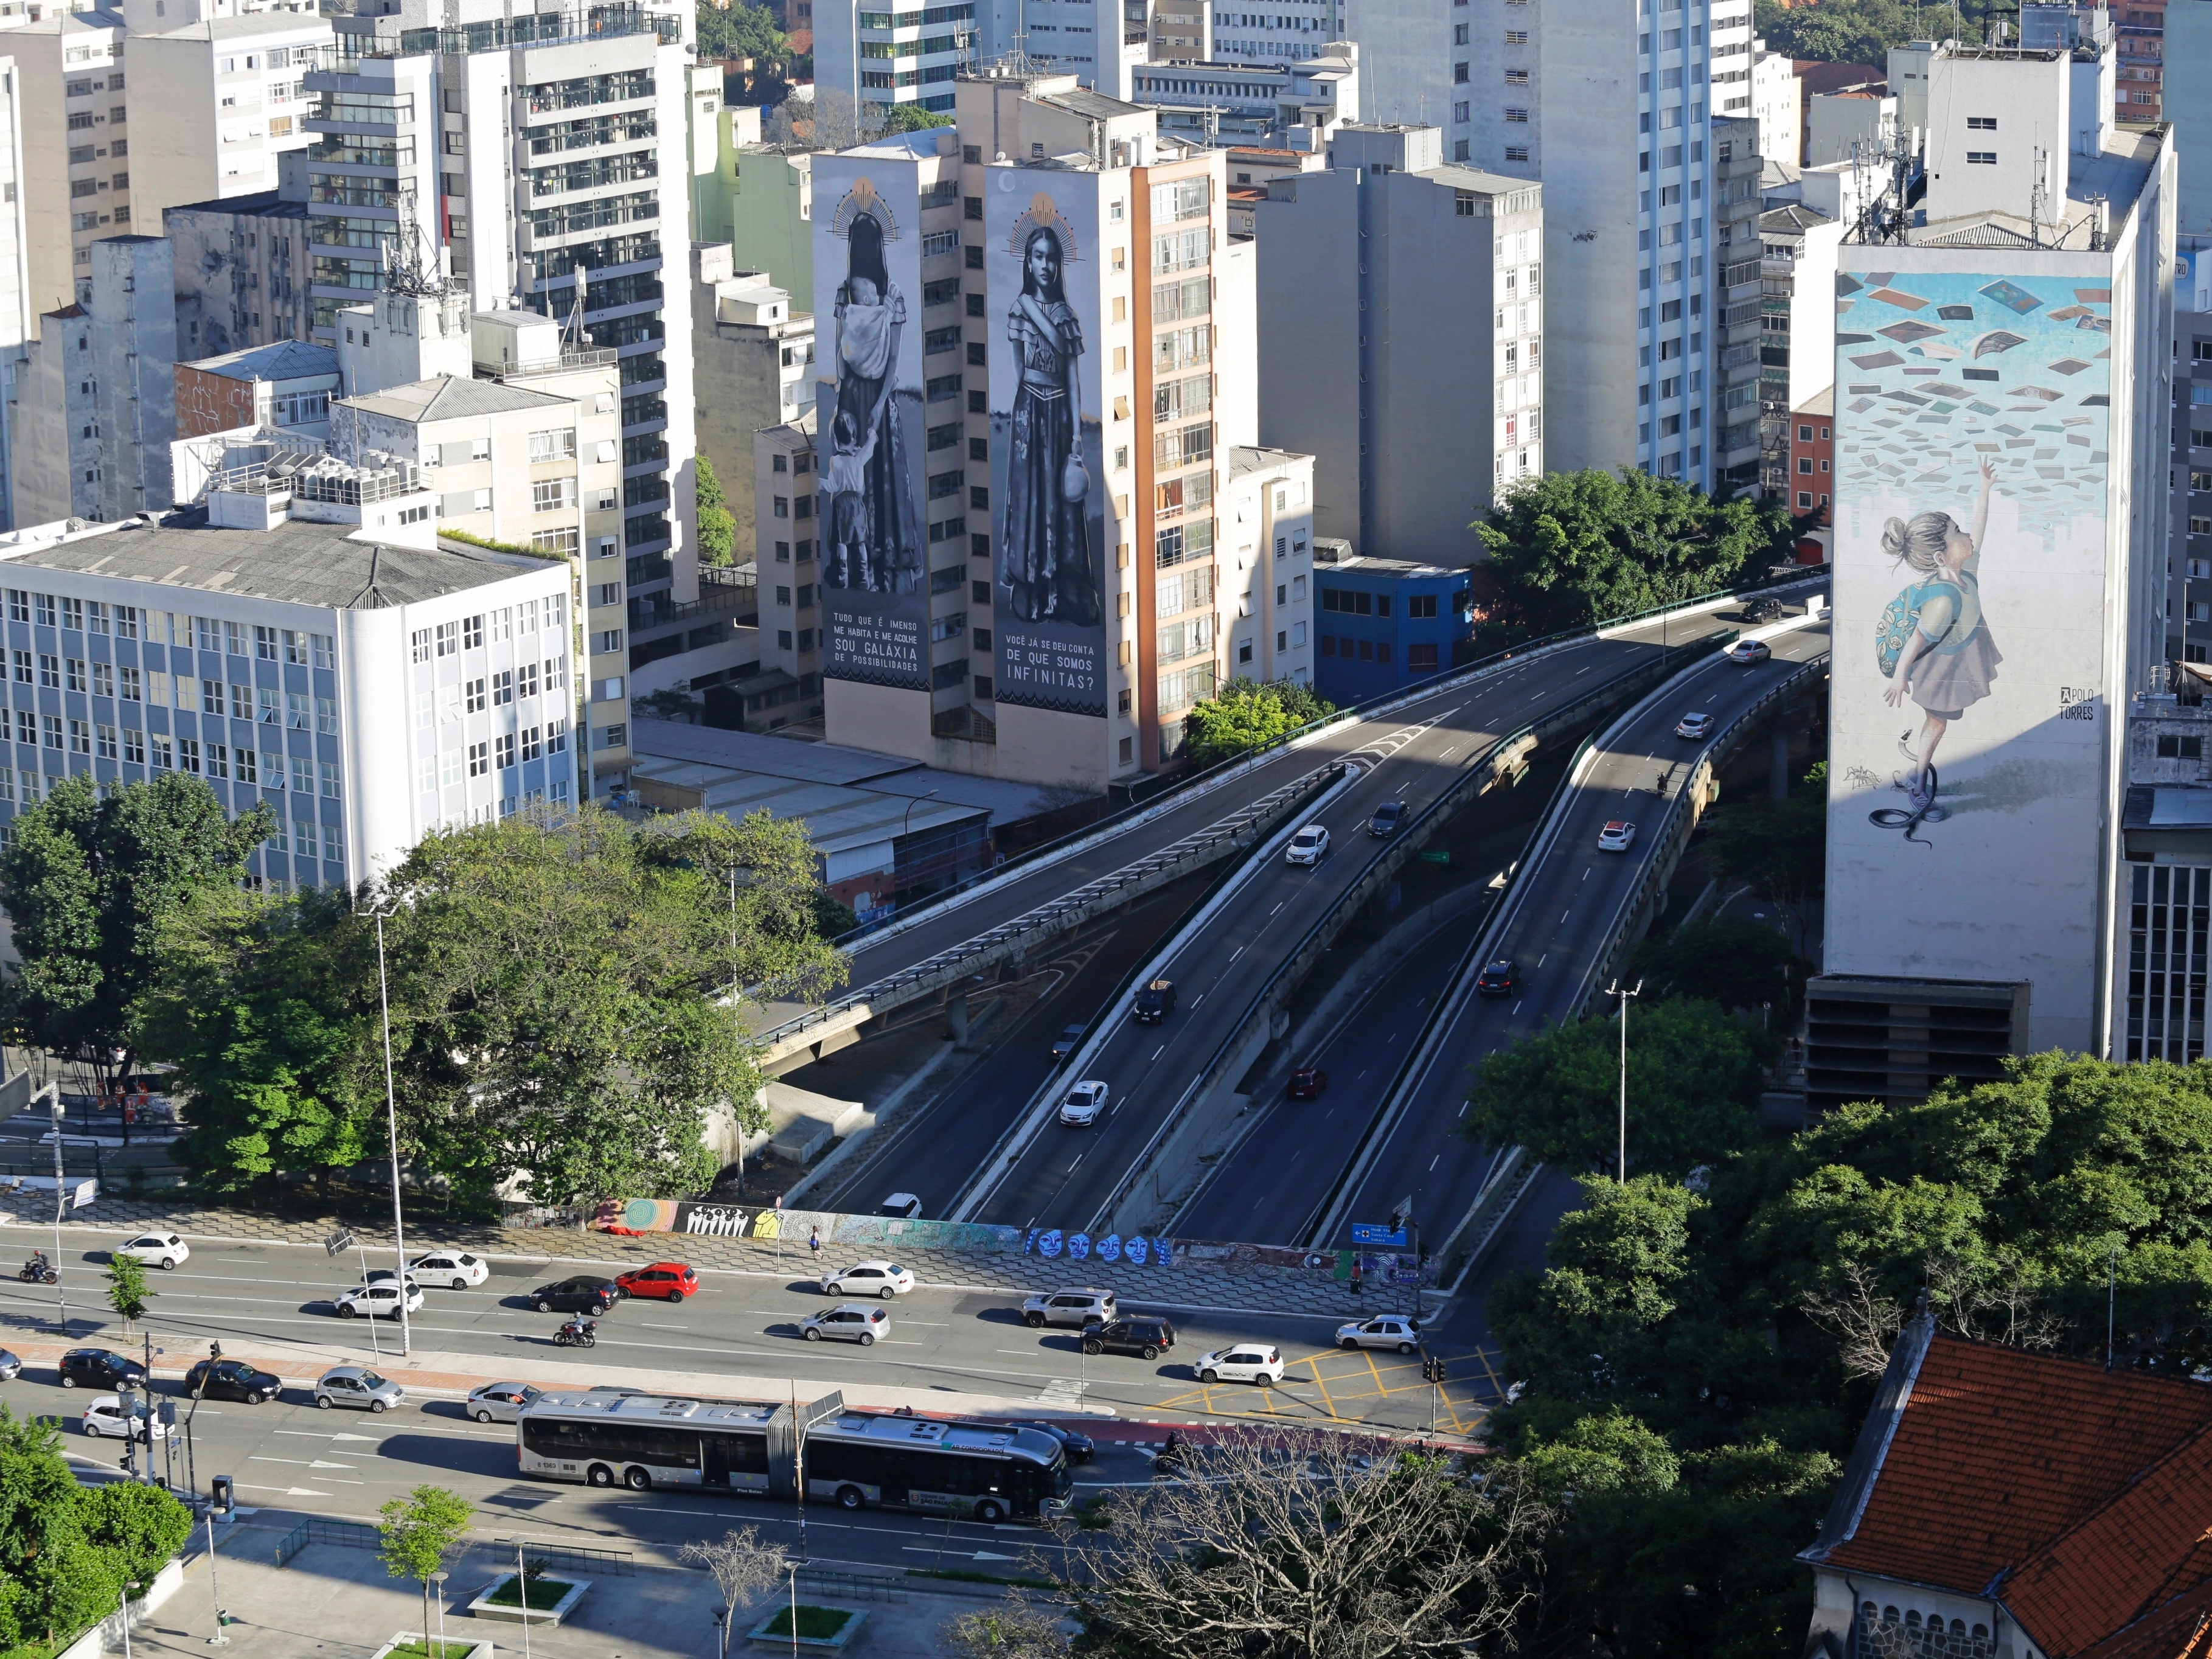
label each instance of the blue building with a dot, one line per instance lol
(1384, 624)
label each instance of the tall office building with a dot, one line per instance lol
(2003, 375)
(1395, 286)
(1035, 351)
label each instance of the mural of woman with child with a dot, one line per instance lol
(870, 536)
(1046, 569)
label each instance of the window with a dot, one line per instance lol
(218, 760)
(50, 670)
(552, 495)
(241, 702)
(265, 643)
(526, 680)
(532, 744)
(479, 759)
(1981, 124)
(449, 638)
(126, 622)
(303, 775)
(296, 647)
(164, 752)
(134, 746)
(505, 745)
(80, 737)
(472, 632)
(326, 716)
(295, 711)
(559, 444)
(76, 674)
(1981, 158)
(268, 701)
(249, 766)
(472, 695)
(556, 736)
(105, 739)
(419, 643)
(328, 772)
(73, 614)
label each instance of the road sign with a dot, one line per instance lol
(86, 1192)
(340, 1240)
(1377, 1234)
(1440, 855)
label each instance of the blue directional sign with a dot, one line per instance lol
(1378, 1234)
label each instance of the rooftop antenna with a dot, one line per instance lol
(2035, 198)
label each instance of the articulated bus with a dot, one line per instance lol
(981, 1471)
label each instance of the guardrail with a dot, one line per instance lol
(1482, 771)
(318, 1530)
(1673, 832)
(1217, 840)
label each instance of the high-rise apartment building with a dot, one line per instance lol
(2002, 400)
(1402, 333)
(76, 150)
(1034, 349)
(755, 367)
(15, 313)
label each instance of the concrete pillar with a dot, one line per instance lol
(956, 1019)
(1777, 757)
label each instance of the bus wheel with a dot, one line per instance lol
(989, 1513)
(600, 1475)
(851, 1497)
(637, 1479)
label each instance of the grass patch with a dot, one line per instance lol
(815, 1624)
(963, 1576)
(545, 1594)
(436, 1651)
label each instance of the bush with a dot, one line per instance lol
(1245, 715)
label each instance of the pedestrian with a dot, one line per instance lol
(814, 1241)
(1355, 1275)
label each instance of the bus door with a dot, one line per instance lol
(715, 1461)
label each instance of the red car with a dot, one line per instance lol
(1307, 1083)
(672, 1281)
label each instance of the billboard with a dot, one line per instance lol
(868, 433)
(1047, 471)
(1974, 581)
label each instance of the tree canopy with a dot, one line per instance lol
(1245, 715)
(1858, 31)
(1739, 965)
(1694, 1076)
(558, 989)
(718, 529)
(1731, 1336)
(740, 30)
(1778, 848)
(67, 1551)
(86, 881)
(1569, 549)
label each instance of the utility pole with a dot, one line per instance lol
(391, 1131)
(61, 1291)
(1616, 989)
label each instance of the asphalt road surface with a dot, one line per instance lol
(1069, 1178)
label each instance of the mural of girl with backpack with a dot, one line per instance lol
(1934, 645)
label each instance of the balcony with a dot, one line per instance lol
(729, 590)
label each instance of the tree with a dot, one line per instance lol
(1694, 1076)
(1736, 965)
(126, 1288)
(718, 530)
(1856, 30)
(87, 880)
(830, 120)
(1298, 1544)
(1017, 1628)
(1778, 848)
(417, 1531)
(1244, 715)
(743, 1564)
(265, 1009)
(557, 986)
(740, 30)
(139, 1526)
(1569, 549)
(913, 118)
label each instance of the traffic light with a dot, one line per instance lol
(1433, 1370)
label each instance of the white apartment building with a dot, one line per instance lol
(76, 150)
(1777, 104)
(1266, 565)
(220, 98)
(1297, 102)
(1291, 32)
(93, 407)
(1394, 287)
(366, 692)
(15, 258)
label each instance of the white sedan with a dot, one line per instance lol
(456, 1269)
(156, 1249)
(1309, 846)
(1384, 1331)
(881, 1279)
(1247, 1362)
(1081, 1106)
(1617, 836)
(104, 1417)
(378, 1301)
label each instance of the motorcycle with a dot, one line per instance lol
(38, 1270)
(578, 1334)
(1171, 1462)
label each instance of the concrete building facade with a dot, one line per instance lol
(755, 369)
(76, 156)
(1386, 623)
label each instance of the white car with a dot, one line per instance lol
(1693, 724)
(883, 1278)
(1309, 846)
(1248, 1362)
(1384, 1331)
(900, 1207)
(1083, 1104)
(379, 1300)
(156, 1249)
(1617, 837)
(104, 1417)
(456, 1269)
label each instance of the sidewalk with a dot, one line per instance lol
(1196, 1283)
(333, 1601)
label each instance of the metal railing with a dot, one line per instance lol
(319, 1529)
(593, 1556)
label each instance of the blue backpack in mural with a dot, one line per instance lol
(1902, 616)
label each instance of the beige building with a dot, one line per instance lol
(786, 682)
(219, 100)
(77, 148)
(752, 366)
(529, 460)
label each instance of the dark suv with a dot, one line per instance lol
(97, 1368)
(232, 1379)
(1156, 1002)
(1500, 979)
(582, 1295)
(1388, 816)
(1146, 1336)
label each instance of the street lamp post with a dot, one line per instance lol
(439, 1579)
(61, 1291)
(392, 1134)
(1624, 992)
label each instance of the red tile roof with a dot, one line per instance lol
(2081, 1498)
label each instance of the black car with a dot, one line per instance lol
(1764, 611)
(1155, 1002)
(1078, 1446)
(587, 1294)
(1069, 1036)
(1500, 979)
(1146, 1336)
(232, 1379)
(97, 1368)
(1388, 816)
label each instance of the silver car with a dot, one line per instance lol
(358, 1386)
(11, 1366)
(848, 1322)
(1396, 1330)
(499, 1402)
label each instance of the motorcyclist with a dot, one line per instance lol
(36, 1269)
(578, 1331)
